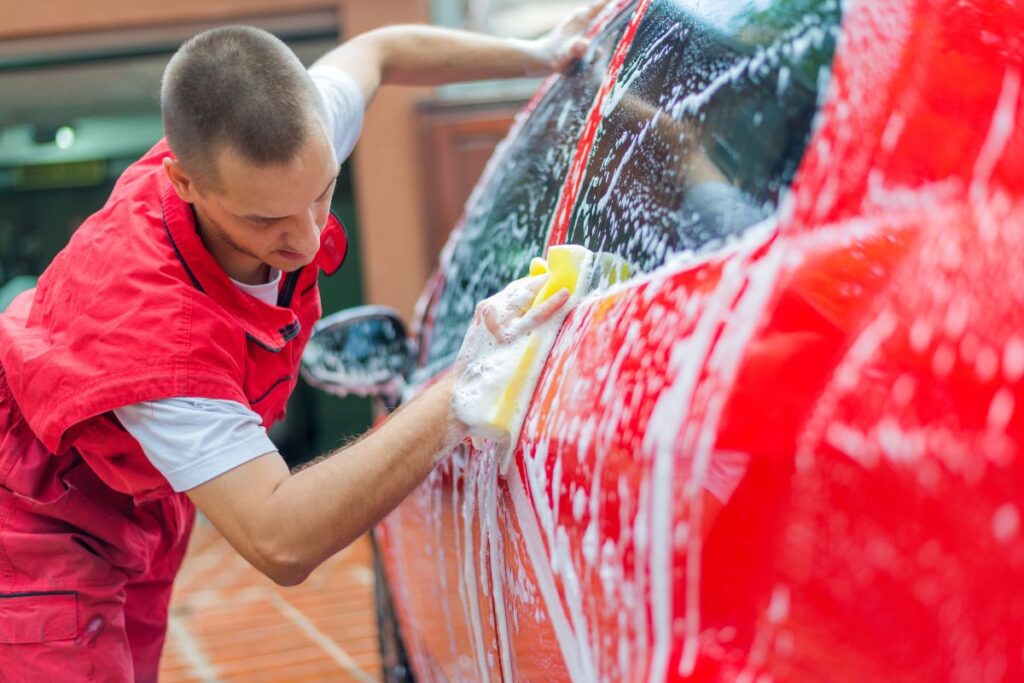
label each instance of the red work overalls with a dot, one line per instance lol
(133, 309)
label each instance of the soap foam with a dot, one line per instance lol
(496, 385)
(481, 388)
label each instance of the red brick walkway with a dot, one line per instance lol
(230, 623)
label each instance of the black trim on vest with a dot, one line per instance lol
(289, 332)
(272, 387)
(260, 344)
(167, 229)
(291, 280)
(35, 594)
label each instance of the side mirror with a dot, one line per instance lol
(363, 351)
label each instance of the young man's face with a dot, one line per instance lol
(269, 215)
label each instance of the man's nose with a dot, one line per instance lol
(309, 230)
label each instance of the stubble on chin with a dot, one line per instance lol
(226, 239)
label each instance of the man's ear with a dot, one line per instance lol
(183, 183)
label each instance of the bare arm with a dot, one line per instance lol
(431, 55)
(286, 524)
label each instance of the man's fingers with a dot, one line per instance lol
(577, 48)
(590, 13)
(545, 311)
(507, 315)
(493, 324)
(526, 291)
(570, 42)
(582, 17)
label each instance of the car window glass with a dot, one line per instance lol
(706, 126)
(509, 223)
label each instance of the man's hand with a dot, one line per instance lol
(496, 349)
(507, 315)
(502, 319)
(560, 49)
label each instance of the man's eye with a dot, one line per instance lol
(329, 191)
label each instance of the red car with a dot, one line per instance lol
(789, 448)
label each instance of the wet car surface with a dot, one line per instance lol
(789, 445)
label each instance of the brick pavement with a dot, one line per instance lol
(230, 623)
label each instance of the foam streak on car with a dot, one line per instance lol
(789, 446)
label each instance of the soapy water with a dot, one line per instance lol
(605, 553)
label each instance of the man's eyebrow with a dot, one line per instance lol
(255, 217)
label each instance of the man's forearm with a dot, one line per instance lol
(415, 54)
(431, 55)
(321, 509)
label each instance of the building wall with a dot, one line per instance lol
(388, 181)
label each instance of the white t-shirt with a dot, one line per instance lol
(193, 440)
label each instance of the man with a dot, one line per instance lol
(137, 380)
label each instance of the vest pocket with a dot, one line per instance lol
(38, 617)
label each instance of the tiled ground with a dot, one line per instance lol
(230, 623)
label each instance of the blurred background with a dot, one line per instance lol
(79, 85)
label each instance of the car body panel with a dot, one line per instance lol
(861, 349)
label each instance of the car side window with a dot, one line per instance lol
(706, 126)
(509, 222)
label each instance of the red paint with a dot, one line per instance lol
(877, 389)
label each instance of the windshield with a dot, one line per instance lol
(706, 126)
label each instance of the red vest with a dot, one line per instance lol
(136, 309)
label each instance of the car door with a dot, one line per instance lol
(436, 547)
(899, 554)
(684, 165)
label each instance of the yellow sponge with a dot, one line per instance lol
(502, 393)
(565, 263)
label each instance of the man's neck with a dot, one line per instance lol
(258, 275)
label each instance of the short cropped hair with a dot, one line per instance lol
(240, 88)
